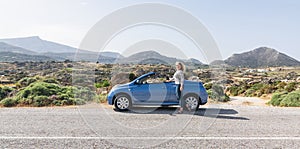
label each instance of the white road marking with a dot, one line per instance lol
(154, 138)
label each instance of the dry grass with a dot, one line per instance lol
(247, 103)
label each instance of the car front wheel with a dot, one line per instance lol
(122, 102)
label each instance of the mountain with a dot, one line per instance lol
(35, 46)
(39, 45)
(19, 57)
(152, 57)
(4, 47)
(111, 54)
(261, 57)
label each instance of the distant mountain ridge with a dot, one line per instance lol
(4, 47)
(261, 57)
(153, 57)
(20, 57)
(61, 52)
(39, 45)
(34, 48)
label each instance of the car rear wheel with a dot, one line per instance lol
(192, 101)
(122, 102)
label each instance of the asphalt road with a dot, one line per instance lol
(99, 126)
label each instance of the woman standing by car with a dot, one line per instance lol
(178, 77)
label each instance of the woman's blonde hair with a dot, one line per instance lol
(181, 65)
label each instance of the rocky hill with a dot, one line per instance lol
(19, 57)
(39, 45)
(4, 47)
(35, 46)
(261, 57)
(153, 57)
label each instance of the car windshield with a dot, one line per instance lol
(152, 79)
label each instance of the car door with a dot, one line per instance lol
(140, 92)
(171, 91)
(158, 92)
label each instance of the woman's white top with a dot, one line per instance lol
(178, 77)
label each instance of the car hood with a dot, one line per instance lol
(120, 86)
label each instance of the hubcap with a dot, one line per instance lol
(123, 102)
(192, 102)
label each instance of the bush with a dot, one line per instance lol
(217, 93)
(286, 99)
(291, 87)
(8, 102)
(208, 86)
(50, 80)
(85, 93)
(45, 94)
(56, 102)
(39, 101)
(277, 98)
(101, 98)
(39, 89)
(26, 81)
(4, 92)
(78, 101)
(250, 93)
(132, 76)
(291, 100)
(104, 83)
(234, 90)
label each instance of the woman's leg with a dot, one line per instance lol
(181, 103)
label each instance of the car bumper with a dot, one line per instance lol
(110, 98)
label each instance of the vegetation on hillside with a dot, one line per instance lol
(258, 89)
(38, 91)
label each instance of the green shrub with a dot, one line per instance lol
(39, 89)
(26, 81)
(51, 80)
(286, 99)
(291, 87)
(98, 85)
(101, 98)
(208, 86)
(85, 93)
(78, 101)
(56, 102)
(67, 102)
(104, 83)
(257, 86)
(234, 90)
(8, 102)
(217, 93)
(45, 94)
(5, 91)
(39, 101)
(281, 86)
(277, 98)
(291, 100)
(250, 92)
(132, 76)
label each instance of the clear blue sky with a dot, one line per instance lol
(236, 25)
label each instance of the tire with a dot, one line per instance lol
(192, 101)
(122, 102)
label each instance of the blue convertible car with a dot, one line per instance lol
(148, 90)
